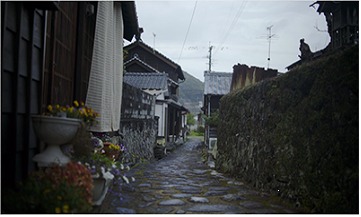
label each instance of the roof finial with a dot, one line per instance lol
(140, 31)
(154, 42)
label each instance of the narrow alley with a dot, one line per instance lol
(182, 184)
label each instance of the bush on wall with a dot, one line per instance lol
(297, 135)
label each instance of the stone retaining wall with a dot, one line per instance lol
(139, 137)
(297, 135)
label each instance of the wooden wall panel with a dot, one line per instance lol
(28, 83)
(60, 55)
(22, 54)
(7, 87)
(70, 37)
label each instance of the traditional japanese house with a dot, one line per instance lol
(48, 51)
(143, 59)
(342, 19)
(155, 84)
(216, 85)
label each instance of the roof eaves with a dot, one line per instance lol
(142, 62)
(130, 20)
(159, 54)
(177, 67)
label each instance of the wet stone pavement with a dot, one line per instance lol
(181, 183)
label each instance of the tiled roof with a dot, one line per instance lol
(217, 83)
(146, 80)
(158, 54)
(153, 50)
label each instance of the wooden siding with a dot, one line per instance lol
(29, 83)
(21, 73)
(85, 42)
(244, 76)
(136, 103)
(60, 55)
(70, 38)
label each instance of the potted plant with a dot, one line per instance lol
(113, 151)
(58, 126)
(55, 189)
(104, 168)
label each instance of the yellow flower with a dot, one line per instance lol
(71, 109)
(57, 106)
(84, 112)
(50, 108)
(113, 146)
(66, 208)
(76, 103)
(57, 210)
(63, 108)
(82, 104)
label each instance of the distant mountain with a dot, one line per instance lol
(191, 93)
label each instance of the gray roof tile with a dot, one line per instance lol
(146, 80)
(217, 83)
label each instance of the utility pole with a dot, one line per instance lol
(269, 38)
(210, 58)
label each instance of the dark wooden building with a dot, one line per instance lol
(143, 58)
(46, 59)
(342, 19)
(216, 85)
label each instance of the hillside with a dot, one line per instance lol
(191, 93)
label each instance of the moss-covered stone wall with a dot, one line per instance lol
(140, 136)
(297, 135)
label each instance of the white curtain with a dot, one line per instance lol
(106, 75)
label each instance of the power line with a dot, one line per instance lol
(234, 22)
(189, 26)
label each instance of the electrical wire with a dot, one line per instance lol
(234, 22)
(189, 26)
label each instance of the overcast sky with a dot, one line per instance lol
(236, 29)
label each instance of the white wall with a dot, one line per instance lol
(160, 109)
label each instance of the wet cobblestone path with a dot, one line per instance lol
(181, 183)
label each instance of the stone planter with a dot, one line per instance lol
(100, 189)
(54, 131)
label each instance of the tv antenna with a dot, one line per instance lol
(269, 38)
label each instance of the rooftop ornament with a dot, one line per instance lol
(306, 52)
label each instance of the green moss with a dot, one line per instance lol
(297, 133)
